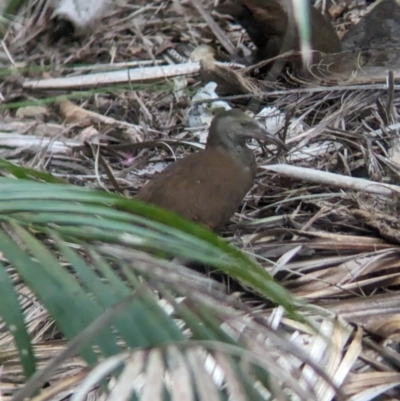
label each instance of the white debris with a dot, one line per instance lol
(273, 120)
(201, 114)
(152, 168)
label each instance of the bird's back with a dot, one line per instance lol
(206, 187)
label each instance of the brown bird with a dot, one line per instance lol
(208, 186)
(271, 27)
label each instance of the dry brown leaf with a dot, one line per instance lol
(387, 225)
(366, 310)
(387, 327)
(372, 383)
(39, 112)
(74, 114)
(88, 134)
(336, 10)
(228, 80)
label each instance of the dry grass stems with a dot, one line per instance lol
(323, 219)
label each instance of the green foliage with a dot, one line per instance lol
(82, 252)
(13, 6)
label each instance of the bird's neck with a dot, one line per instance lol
(240, 154)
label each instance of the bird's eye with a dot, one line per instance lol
(244, 123)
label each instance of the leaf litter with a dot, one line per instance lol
(322, 218)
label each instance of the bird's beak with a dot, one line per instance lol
(262, 135)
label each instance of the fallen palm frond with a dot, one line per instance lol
(322, 220)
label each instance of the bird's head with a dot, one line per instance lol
(231, 128)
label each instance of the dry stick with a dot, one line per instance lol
(216, 30)
(109, 174)
(390, 97)
(335, 180)
(299, 91)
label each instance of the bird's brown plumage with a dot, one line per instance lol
(208, 186)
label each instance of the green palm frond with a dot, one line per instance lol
(84, 253)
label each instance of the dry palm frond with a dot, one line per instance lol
(322, 219)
